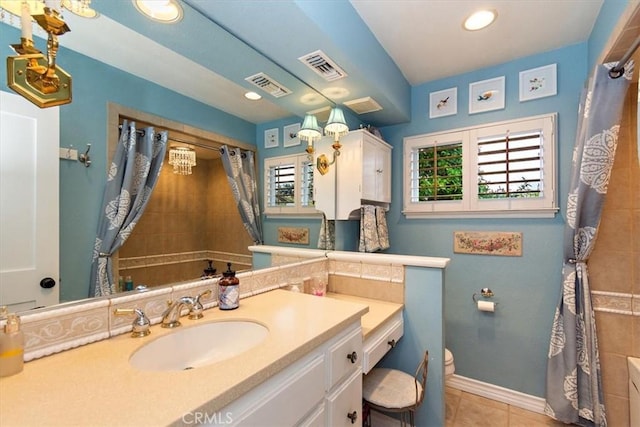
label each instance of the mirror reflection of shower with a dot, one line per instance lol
(191, 225)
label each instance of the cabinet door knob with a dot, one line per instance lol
(47, 283)
(392, 343)
(353, 416)
(353, 357)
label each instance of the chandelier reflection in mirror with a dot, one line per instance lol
(32, 74)
(182, 159)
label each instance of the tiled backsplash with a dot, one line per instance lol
(71, 325)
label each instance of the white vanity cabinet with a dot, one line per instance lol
(323, 388)
(361, 175)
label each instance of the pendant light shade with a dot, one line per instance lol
(310, 129)
(337, 124)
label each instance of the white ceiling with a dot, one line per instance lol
(426, 39)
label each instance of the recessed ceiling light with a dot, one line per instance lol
(252, 96)
(480, 19)
(165, 11)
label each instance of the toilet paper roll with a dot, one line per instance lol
(486, 306)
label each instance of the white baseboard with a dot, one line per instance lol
(501, 394)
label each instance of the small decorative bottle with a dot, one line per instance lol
(128, 283)
(228, 290)
(11, 345)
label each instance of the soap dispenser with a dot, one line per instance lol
(11, 345)
(228, 290)
(209, 272)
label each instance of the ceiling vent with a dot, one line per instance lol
(268, 85)
(363, 105)
(319, 62)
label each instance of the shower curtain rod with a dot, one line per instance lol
(182, 141)
(617, 71)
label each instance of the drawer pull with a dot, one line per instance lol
(392, 343)
(353, 357)
(353, 416)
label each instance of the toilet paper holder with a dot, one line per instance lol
(485, 292)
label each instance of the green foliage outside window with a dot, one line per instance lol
(440, 173)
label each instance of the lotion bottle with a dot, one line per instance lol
(11, 345)
(228, 290)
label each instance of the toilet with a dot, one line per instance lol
(449, 366)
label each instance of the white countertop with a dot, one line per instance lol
(95, 385)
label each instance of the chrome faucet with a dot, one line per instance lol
(171, 316)
(172, 313)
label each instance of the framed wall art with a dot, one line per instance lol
(297, 235)
(486, 95)
(538, 83)
(271, 138)
(501, 243)
(443, 103)
(290, 137)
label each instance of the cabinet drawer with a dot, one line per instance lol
(345, 404)
(376, 346)
(344, 357)
(288, 400)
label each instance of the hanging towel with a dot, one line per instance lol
(369, 240)
(374, 234)
(327, 237)
(383, 231)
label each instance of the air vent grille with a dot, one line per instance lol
(363, 105)
(319, 62)
(268, 85)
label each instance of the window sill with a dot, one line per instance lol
(534, 213)
(295, 215)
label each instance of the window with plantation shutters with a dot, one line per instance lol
(510, 166)
(288, 185)
(494, 170)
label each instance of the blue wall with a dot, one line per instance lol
(489, 347)
(84, 121)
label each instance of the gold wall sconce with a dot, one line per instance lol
(337, 127)
(31, 74)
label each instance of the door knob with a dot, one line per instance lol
(47, 283)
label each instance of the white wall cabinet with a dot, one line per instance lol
(324, 388)
(361, 175)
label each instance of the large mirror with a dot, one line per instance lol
(103, 95)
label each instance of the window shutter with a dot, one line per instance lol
(510, 166)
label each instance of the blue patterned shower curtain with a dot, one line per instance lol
(574, 385)
(239, 165)
(132, 176)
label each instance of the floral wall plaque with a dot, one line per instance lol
(487, 243)
(298, 235)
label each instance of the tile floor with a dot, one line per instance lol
(469, 410)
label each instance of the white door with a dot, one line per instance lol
(29, 141)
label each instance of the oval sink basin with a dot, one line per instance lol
(195, 346)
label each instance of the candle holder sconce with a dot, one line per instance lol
(35, 76)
